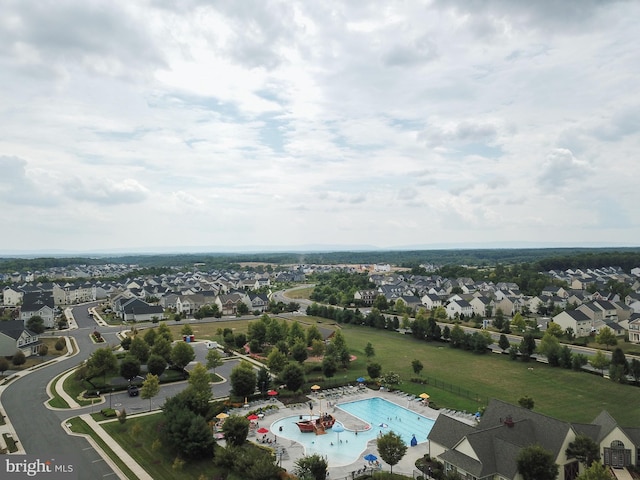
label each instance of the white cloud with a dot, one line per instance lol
(426, 122)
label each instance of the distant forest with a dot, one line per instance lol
(538, 259)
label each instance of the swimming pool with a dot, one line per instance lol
(347, 447)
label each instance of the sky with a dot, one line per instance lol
(185, 125)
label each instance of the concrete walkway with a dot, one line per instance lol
(120, 452)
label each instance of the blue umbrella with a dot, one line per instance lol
(370, 457)
(338, 428)
(360, 379)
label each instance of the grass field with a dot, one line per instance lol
(564, 394)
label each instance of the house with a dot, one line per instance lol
(228, 304)
(459, 307)
(14, 336)
(490, 448)
(431, 301)
(259, 302)
(40, 304)
(482, 306)
(136, 310)
(12, 296)
(634, 328)
(365, 297)
(577, 320)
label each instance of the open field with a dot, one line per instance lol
(565, 394)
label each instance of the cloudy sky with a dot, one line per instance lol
(211, 125)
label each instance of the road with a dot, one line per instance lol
(39, 428)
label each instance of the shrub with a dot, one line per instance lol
(60, 344)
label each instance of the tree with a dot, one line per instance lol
(162, 347)
(526, 402)
(293, 376)
(536, 463)
(498, 321)
(554, 329)
(527, 346)
(417, 366)
(60, 344)
(150, 387)
(43, 349)
(122, 416)
(125, 343)
(550, 347)
(36, 324)
(456, 336)
(374, 369)
(369, 351)
(236, 430)
(214, 360)
(263, 380)
(101, 362)
(164, 332)
(329, 366)
(583, 449)
(299, 351)
(243, 379)
(313, 333)
(129, 367)
(242, 309)
(150, 337)
(606, 337)
(391, 448)
(156, 365)
(503, 343)
(186, 431)
(199, 389)
(4, 365)
(518, 322)
(139, 349)
(317, 348)
(182, 354)
(312, 467)
(618, 359)
(634, 369)
(186, 330)
(276, 360)
(596, 471)
(599, 361)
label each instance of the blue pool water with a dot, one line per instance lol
(346, 447)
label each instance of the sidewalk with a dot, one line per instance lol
(121, 453)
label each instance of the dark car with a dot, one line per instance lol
(133, 390)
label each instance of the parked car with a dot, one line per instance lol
(133, 390)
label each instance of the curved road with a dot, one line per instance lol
(39, 429)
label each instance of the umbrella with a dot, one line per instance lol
(360, 379)
(263, 430)
(338, 428)
(370, 457)
(222, 416)
(272, 393)
(316, 387)
(252, 417)
(424, 396)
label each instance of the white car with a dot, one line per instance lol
(211, 344)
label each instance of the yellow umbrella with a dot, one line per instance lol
(424, 396)
(221, 415)
(316, 387)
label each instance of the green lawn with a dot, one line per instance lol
(564, 394)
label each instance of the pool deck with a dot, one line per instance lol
(293, 450)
